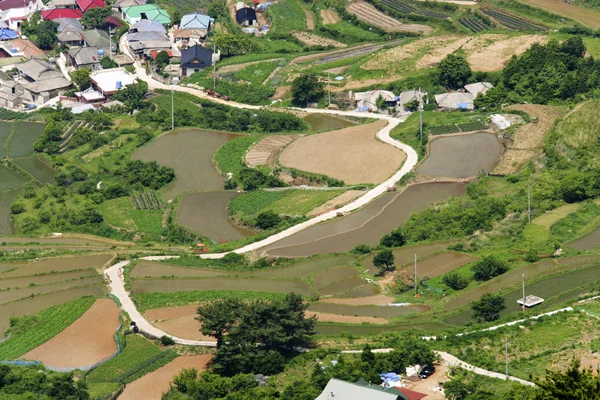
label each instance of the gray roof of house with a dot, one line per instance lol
(97, 38)
(150, 44)
(63, 3)
(69, 24)
(38, 69)
(46, 85)
(147, 25)
(145, 36)
(128, 3)
(455, 100)
(85, 55)
(69, 36)
(341, 390)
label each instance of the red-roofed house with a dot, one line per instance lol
(14, 11)
(154, 53)
(86, 5)
(56, 13)
(408, 394)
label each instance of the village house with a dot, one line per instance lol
(246, 16)
(19, 48)
(85, 57)
(9, 94)
(12, 12)
(455, 101)
(56, 13)
(70, 32)
(110, 81)
(62, 4)
(150, 12)
(478, 88)
(193, 28)
(119, 5)
(41, 81)
(195, 59)
(86, 5)
(367, 101)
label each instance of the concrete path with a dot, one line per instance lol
(117, 288)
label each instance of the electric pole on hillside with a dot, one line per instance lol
(110, 32)
(329, 88)
(172, 104)
(214, 60)
(523, 280)
(420, 115)
(416, 282)
(506, 352)
(529, 202)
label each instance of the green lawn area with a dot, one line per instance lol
(120, 213)
(256, 73)
(230, 156)
(287, 16)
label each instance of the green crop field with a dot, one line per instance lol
(32, 331)
(230, 156)
(148, 301)
(122, 214)
(346, 32)
(287, 16)
(26, 133)
(5, 129)
(290, 202)
(37, 168)
(256, 73)
(139, 353)
(10, 179)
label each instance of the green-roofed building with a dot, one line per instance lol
(150, 12)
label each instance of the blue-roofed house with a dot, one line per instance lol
(195, 21)
(193, 28)
(7, 34)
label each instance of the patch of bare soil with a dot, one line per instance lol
(281, 92)
(336, 202)
(312, 57)
(178, 321)
(310, 39)
(430, 386)
(88, 340)
(310, 21)
(433, 57)
(265, 151)
(237, 67)
(152, 386)
(378, 300)
(351, 154)
(495, 56)
(326, 317)
(529, 138)
(372, 16)
(352, 84)
(329, 17)
(337, 70)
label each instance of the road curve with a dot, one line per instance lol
(117, 289)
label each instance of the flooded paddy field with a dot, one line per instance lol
(206, 213)
(386, 312)
(440, 264)
(50, 265)
(7, 296)
(332, 329)
(333, 275)
(588, 242)
(189, 152)
(6, 199)
(36, 280)
(55, 241)
(406, 255)
(324, 122)
(366, 225)
(342, 286)
(461, 156)
(37, 168)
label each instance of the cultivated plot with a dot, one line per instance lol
(50, 265)
(37, 168)
(26, 133)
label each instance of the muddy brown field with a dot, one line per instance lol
(88, 340)
(154, 384)
(488, 57)
(582, 15)
(352, 155)
(310, 39)
(369, 14)
(329, 17)
(178, 321)
(265, 151)
(378, 300)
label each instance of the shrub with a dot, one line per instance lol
(167, 340)
(362, 249)
(17, 208)
(489, 267)
(455, 281)
(531, 255)
(267, 219)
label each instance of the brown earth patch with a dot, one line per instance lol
(337, 70)
(336, 202)
(582, 15)
(361, 301)
(178, 321)
(151, 386)
(495, 56)
(266, 150)
(529, 138)
(369, 14)
(310, 39)
(310, 21)
(329, 17)
(434, 57)
(281, 92)
(351, 154)
(347, 319)
(88, 340)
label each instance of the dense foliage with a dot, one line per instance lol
(454, 71)
(488, 308)
(35, 382)
(307, 88)
(488, 267)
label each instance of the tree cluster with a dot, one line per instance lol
(256, 336)
(488, 267)
(33, 382)
(147, 174)
(488, 307)
(307, 88)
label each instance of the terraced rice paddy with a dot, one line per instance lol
(36, 280)
(37, 168)
(386, 312)
(147, 269)
(368, 224)
(440, 264)
(6, 199)
(178, 321)
(5, 128)
(189, 152)
(49, 265)
(324, 122)
(361, 291)
(588, 242)
(7, 296)
(10, 179)
(406, 255)
(564, 287)
(461, 156)
(206, 213)
(241, 284)
(333, 275)
(342, 286)
(87, 341)
(36, 304)
(26, 133)
(369, 14)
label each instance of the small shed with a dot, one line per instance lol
(530, 301)
(246, 16)
(478, 88)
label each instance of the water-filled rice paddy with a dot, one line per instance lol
(10, 179)
(406, 255)
(324, 122)
(342, 286)
(240, 284)
(5, 128)
(37, 168)
(440, 264)
(26, 133)
(189, 152)
(7, 296)
(386, 312)
(361, 291)
(461, 156)
(206, 213)
(11, 283)
(366, 225)
(588, 242)
(49, 265)
(325, 328)
(333, 275)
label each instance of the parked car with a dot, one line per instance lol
(427, 372)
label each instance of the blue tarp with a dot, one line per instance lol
(462, 105)
(7, 34)
(389, 378)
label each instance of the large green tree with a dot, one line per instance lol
(306, 88)
(81, 77)
(454, 71)
(489, 267)
(232, 45)
(95, 18)
(488, 308)
(573, 384)
(384, 260)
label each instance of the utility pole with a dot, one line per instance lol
(214, 68)
(110, 32)
(523, 280)
(416, 281)
(329, 88)
(506, 352)
(172, 105)
(420, 115)
(529, 202)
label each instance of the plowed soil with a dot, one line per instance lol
(326, 317)
(310, 39)
(178, 321)
(352, 155)
(265, 151)
(310, 21)
(329, 17)
(369, 14)
(154, 384)
(85, 342)
(336, 202)
(582, 15)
